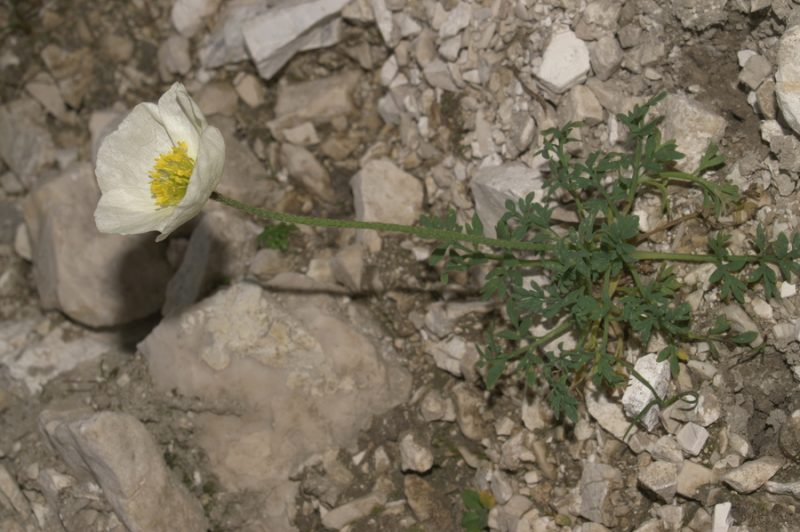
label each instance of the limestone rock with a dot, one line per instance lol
(72, 70)
(597, 482)
(44, 88)
(116, 450)
(382, 192)
(606, 56)
(173, 57)
(700, 15)
(414, 455)
(306, 169)
(492, 186)
(750, 476)
(692, 477)
(599, 18)
(354, 510)
(637, 396)
(250, 89)
(97, 279)
(692, 438)
(789, 436)
(565, 62)
(25, 142)
(661, 479)
(455, 355)
(218, 97)
(469, 404)
(692, 126)
(187, 15)
(275, 36)
(317, 101)
(224, 44)
(298, 374)
(61, 350)
(244, 177)
(580, 105)
(787, 78)
(220, 248)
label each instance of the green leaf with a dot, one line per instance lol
(276, 236)
(496, 369)
(744, 338)
(711, 159)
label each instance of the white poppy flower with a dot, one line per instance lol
(158, 169)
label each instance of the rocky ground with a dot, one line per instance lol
(206, 384)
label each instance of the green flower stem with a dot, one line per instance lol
(423, 232)
(450, 236)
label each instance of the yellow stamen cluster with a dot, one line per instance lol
(170, 175)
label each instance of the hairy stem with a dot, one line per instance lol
(423, 232)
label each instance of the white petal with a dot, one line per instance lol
(121, 213)
(181, 117)
(205, 178)
(127, 155)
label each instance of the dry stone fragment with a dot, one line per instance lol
(692, 126)
(750, 476)
(354, 510)
(692, 477)
(44, 88)
(456, 355)
(414, 455)
(72, 71)
(382, 192)
(608, 414)
(492, 186)
(116, 450)
(317, 101)
(435, 407)
(692, 438)
(565, 62)
(25, 142)
(438, 75)
(307, 170)
(456, 20)
(422, 497)
(348, 267)
(661, 479)
(11, 496)
(469, 405)
(722, 520)
(755, 71)
(187, 15)
(606, 56)
(218, 97)
(637, 396)
(61, 350)
(96, 279)
(250, 89)
(787, 77)
(580, 105)
(173, 57)
(244, 176)
(597, 19)
(597, 482)
(789, 436)
(225, 43)
(220, 248)
(275, 36)
(700, 15)
(284, 366)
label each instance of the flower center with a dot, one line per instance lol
(170, 175)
